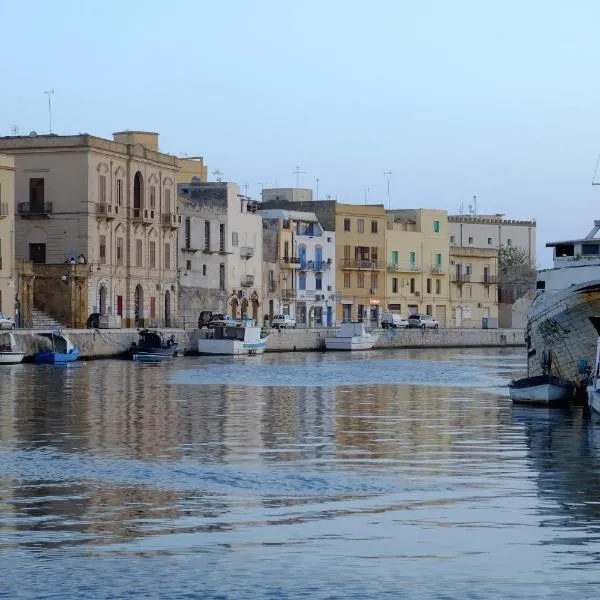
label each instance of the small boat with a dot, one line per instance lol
(8, 353)
(153, 346)
(593, 389)
(541, 389)
(351, 336)
(63, 350)
(245, 338)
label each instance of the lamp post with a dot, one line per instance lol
(50, 93)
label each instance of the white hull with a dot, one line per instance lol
(559, 326)
(231, 347)
(11, 358)
(539, 394)
(593, 398)
(365, 342)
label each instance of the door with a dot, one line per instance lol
(167, 309)
(37, 253)
(302, 256)
(318, 258)
(440, 315)
(120, 305)
(329, 316)
(347, 312)
(395, 257)
(458, 316)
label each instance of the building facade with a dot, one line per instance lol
(7, 235)
(417, 261)
(109, 204)
(221, 263)
(192, 169)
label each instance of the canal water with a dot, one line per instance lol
(389, 474)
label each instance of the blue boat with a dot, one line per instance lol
(153, 347)
(63, 351)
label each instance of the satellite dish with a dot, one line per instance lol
(33, 134)
(196, 179)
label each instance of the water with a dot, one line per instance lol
(370, 475)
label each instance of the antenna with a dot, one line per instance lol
(387, 175)
(317, 189)
(594, 182)
(474, 206)
(14, 130)
(218, 174)
(365, 191)
(298, 172)
(50, 93)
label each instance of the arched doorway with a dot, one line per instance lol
(234, 307)
(167, 308)
(102, 300)
(138, 304)
(138, 194)
(244, 308)
(255, 305)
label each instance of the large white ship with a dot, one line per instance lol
(560, 337)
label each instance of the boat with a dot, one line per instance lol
(243, 338)
(593, 389)
(558, 321)
(8, 353)
(351, 336)
(541, 389)
(63, 350)
(153, 346)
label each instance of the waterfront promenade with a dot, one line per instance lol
(106, 343)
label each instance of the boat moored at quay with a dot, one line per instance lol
(560, 337)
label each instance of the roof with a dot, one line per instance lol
(289, 215)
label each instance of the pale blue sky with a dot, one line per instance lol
(498, 99)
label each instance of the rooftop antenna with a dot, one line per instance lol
(317, 189)
(298, 172)
(50, 93)
(387, 175)
(474, 206)
(14, 130)
(366, 190)
(218, 174)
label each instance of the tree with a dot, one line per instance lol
(513, 256)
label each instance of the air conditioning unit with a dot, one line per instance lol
(417, 293)
(328, 288)
(328, 261)
(479, 305)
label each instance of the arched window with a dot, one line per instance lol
(204, 270)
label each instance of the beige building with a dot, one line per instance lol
(7, 235)
(192, 169)
(220, 252)
(473, 285)
(108, 203)
(417, 257)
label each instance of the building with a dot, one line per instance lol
(473, 286)
(192, 169)
(220, 252)
(108, 204)
(7, 235)
(417, 257)
(307, 269)
(493, 231)
(287, 195)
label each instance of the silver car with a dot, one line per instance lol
(6, 322)
(422, 321)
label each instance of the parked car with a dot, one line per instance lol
(221, 320)
(422, 321)
(393, 320)
(93, 321)
(6, 322)
(283, 322)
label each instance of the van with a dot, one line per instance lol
(393, 320)
(283, 321)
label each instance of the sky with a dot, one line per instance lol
(494, 99)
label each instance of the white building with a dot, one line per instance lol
(220, 266)
(311, 296)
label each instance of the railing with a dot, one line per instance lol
(142, 215)
(288, 294)
(437, 270)
(292, 261)
(314, 265)
(32, 209)
(3, 209)
(350, 263)
(247, 281)
(107, 211)
(404, 268)
(172, 220)
(461, 278)
(490, 279)
(246, 251)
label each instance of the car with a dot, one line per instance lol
(422, 321)
(283, 322)
(393, 320)
(221, 320)
(6, 322)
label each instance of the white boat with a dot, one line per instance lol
(351, 336)
(541, 389)
(246, 338)
(593, 389)
(9, 355)
(558, 324)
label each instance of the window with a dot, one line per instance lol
(221, 276)
(102, 190)
(207, 235)
(438, 261)
(346, 224)
(153, 255)
(346, 280)
(412, 259)
(470, 289)
(286, 250)
(509, 242)
(318, 282)
(138, 253)
(428, 286)
(302, 281)
(486, 292)
(222, 237)
(102, 249)
(360, 280)
(412, 285)
(429, 310)
(468, 269)
(347, 251)
(489, 241)
(167, 256)
(204, 270)
(36, 194)
(452, 239)
(234, 238)
(395, 257)
(188, 233)
(374, 281)
(153, 307)
(120, 251)
(373, 226)
(188, 265)
(470, 240)
(438, 286)
(167, 200)
(436, 226)
(152, 197)
(360, 225)
(119, 192)
(394, 285)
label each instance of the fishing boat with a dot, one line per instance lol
(62, 350)
(9, 355)
(541, 389)
(153, 346)
(244, 338)
(351, 336)
(593, 389)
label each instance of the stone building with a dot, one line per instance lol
(220, 252)
(109, 204)
(7, 238)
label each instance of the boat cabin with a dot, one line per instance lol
(149, 338)
(60, 343)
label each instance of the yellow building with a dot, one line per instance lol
(192, 167)
(417, 257)
(360, 252)
(473, 285)
(7, 240)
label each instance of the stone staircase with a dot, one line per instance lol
(42, 320)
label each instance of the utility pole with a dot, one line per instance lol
(387, 175)
(366, 190)
(298, 172)
(317, 189)
(50, 93)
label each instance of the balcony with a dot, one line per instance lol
(316, 266)
(171, 220)
(489, 279)
(143, 215)
(437, 270)
(404, 268)
(3, 210)
(34, 209)
(246, 252)
(272, 286)
(361, 264)
(288, 294)
(106, 211)
(461, 278)
(292, 262)
(247, 280)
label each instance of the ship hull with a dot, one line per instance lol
(560, 337)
